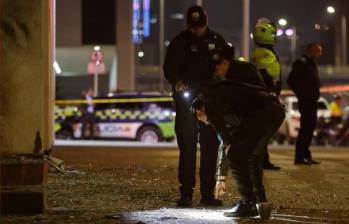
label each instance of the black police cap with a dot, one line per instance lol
(196, 17)
(218, 54)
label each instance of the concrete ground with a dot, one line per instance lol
(131, 184)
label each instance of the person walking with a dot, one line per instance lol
(304, 81)
(186, 68)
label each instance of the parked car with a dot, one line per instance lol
(289, 129)
(145, 117)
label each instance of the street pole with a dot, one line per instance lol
(245, 37)
(344, 39)
(95, 80)
(161, 42)
(293, 44)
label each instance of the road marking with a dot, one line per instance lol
(295, 221)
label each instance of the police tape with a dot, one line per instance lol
(123, 100)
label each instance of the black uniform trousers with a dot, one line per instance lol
(187, 132)
(308, 111)
(88, 123)
(248, 145)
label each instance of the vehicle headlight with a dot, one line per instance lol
(167, 113)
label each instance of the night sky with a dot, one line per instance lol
(225, 16)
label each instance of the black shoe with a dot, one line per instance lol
(302, 161)
(242, 210)
(264, 210)
(211, 202)
(305, 161)
(270, 166)
(185, 201)
(314, 162)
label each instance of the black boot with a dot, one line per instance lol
(211, 201)
(270, 166)
(264, 210)
(185, 201)
(242, 210)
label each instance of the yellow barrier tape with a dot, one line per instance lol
(136, 100)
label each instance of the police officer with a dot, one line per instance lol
(246, 116)
(237, 71)
(88, 118)
(186, 68)
(267, 62)
(305, 83)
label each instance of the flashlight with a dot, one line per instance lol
(186, 94)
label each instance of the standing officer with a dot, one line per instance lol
(267, 62)
(305, 83)
(186, 68)
(88, 118)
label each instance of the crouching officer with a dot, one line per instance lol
(237, 71)
(267, 62)
(186, 68)
(246, 117)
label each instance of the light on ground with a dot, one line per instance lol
(331, 9)
(282, 22)
(241, 59)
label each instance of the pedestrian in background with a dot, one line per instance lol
(88, 119)
(304, 81)
(186, 68)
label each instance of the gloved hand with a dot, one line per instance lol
(220, 186)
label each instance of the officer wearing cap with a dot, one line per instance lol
(267, 62)
(186, 68)
(239, 71)
(246, 116)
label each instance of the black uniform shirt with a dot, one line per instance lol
(245, 72)
(304, 79)
(225, 99)
(187, 58)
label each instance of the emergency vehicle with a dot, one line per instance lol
(290, 127)
(146, 117)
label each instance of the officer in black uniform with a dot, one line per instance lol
(186, 68)
(246, 116)
(305, 83)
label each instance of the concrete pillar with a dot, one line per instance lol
(26, 80)
(26, 102)
(342, 30)
(69, 23)
(245, 37)
(125, 47)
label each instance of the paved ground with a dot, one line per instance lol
(137, 185)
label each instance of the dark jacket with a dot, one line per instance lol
(228, 102)
(187, 58)
(245, 72)
(304, 79)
